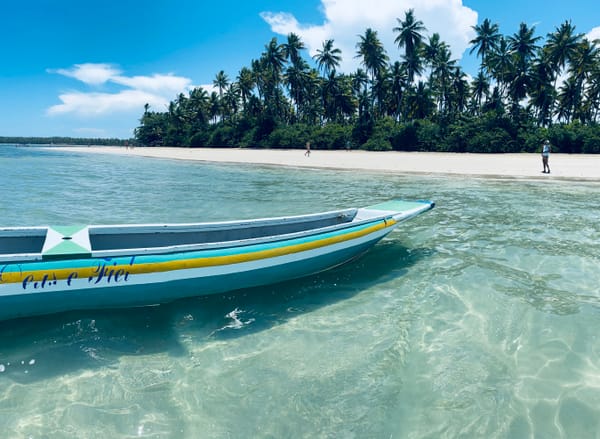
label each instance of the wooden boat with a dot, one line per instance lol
(51, 269)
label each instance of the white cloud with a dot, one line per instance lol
(594, 34)
(157, 90)
(346, 19)
(97, 104)
(209, 88)
(92, 74)
(155, 83)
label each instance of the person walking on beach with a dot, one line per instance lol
(307, 153)
(545, 157)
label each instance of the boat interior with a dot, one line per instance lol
(113, 238)
(29, 242)
(26, 240)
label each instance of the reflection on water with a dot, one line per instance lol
(477, 319)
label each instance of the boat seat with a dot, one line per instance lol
(67, 242)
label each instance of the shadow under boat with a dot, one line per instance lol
(37, 348)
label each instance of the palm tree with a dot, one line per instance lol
(488, 37)
(374, 58)
(246, 84)
(221, 82)
(460, 91)
(399, 79)
(258, 76)
(214, 106)
(360, 81)
(274, 57)
(495, 102)
(414, 65)
(593, 94)
(231, 100)
(410, 37)
(152, 128)
(311, 109)
(331, 87)
(198, 102)
(568, 100)
(380, 91)
(432, 49)
(360, 90)
(296, 78)
(561, 46)
(420, 103)
(585, 59)
(523, 45)
(273, 60)
(328, 58)
(500, 63)
(441, 75)
(480, 88)
(371, 50)
(434, 53)
(292, 48)
(344, 101)
(177, 121)
(542, 93)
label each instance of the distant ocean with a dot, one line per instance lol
(479, 319)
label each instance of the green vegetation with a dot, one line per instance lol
(62, 141)
(526, 90)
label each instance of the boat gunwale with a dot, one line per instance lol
(100, 229)
(217, 225)
(190, 248)
(371, 215)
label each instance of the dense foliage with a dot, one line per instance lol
(62, 141)
(524, 92)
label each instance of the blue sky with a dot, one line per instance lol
(86, 68)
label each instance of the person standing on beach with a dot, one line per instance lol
(545, 157)
(307, 153)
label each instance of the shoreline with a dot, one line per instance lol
(579, 167)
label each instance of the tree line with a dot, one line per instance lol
(527, 89)
(62, 141)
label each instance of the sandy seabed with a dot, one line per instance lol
(526, 166)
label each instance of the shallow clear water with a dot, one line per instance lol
(477, 319)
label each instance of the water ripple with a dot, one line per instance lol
(478, 319)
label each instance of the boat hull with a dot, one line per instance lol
(145, 294)
(76, 281)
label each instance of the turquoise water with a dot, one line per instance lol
(477, 319)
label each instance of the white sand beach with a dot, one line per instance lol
(524, 166)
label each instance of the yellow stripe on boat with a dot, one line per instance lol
(199, 262)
